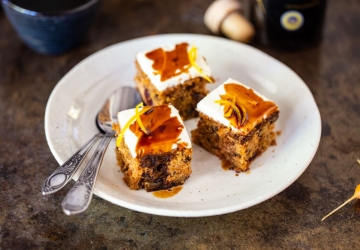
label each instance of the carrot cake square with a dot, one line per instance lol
(153, 147)
(236, 124)
(174, 74)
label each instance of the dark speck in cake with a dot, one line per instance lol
(187, 159)
(148, 99)
(161, 168)
(197, 97)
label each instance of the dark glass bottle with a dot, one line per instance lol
(292, 24)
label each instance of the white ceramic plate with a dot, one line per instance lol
(76, 99)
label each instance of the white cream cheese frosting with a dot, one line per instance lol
(131, 139)
(215, 111)
(146, 66)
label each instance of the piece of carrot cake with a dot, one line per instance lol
(236, 124)
(153, 147)
(174, 74)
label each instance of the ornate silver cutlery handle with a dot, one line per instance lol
(61, 176)
(79, 197)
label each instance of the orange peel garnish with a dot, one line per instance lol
(228, 111)
(141, 125)
(243, 119)
(356, 195)
(233, 106)
(192, 59)
(136, 117)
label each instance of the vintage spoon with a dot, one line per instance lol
(79, 197)
(61, 176)
(124, 98)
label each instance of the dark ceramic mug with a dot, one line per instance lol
(51, 32)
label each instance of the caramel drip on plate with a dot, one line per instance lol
(170, 63)
(226, 165)
(167, 193)
(163, 131)
(255, 106)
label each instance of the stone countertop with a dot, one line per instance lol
(289, 220)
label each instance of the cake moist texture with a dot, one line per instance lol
(236, 124)
(175, 74)
(158, 158)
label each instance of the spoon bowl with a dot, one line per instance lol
(122, 99)
(79, 197)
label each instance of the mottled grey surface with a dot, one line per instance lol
(290, 220)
